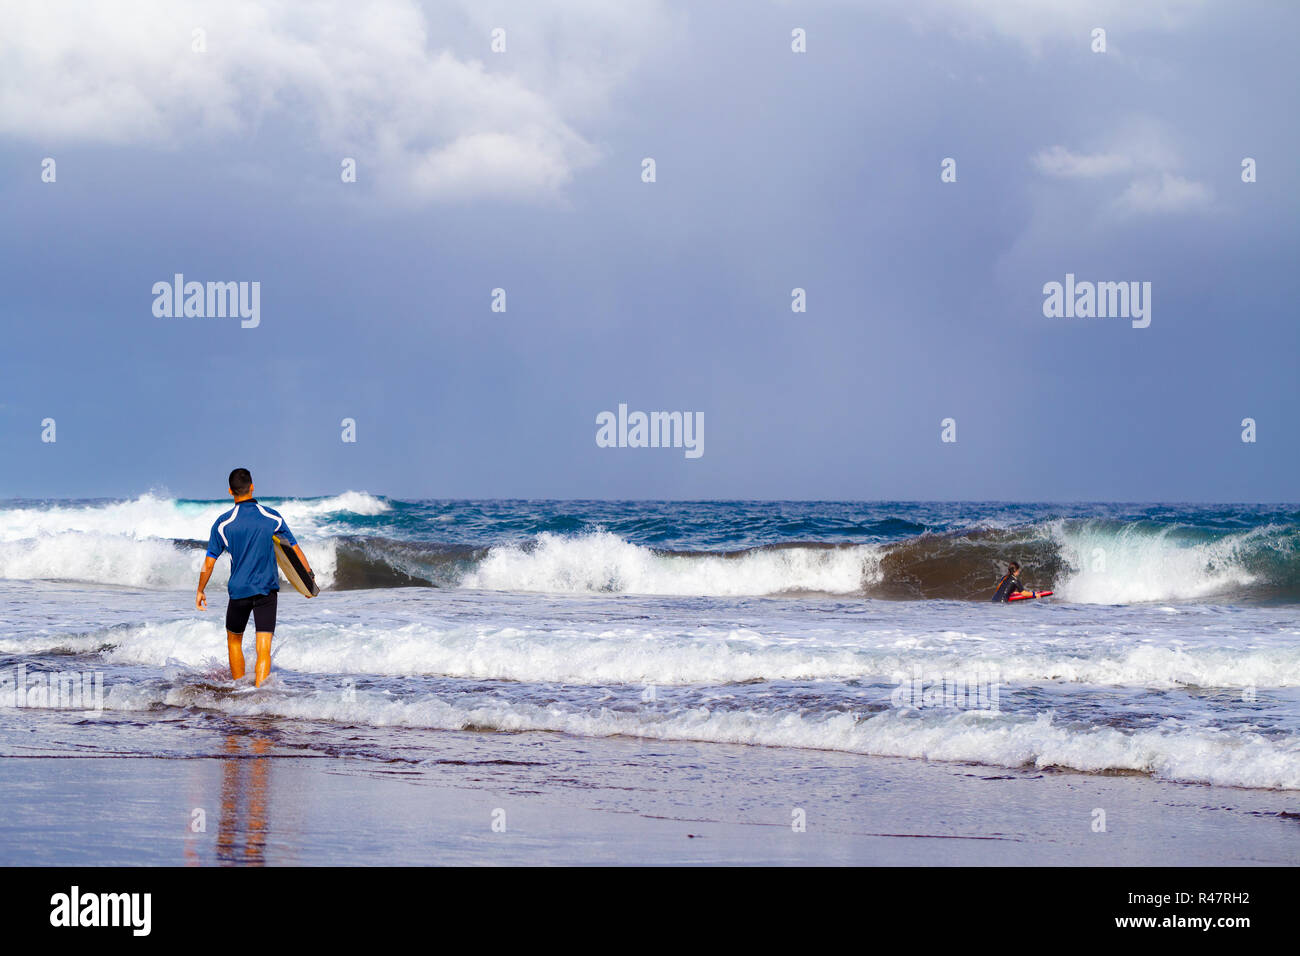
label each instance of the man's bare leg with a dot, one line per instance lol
(262, 669)
(235, 647)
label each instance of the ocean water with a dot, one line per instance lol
(1171, 647)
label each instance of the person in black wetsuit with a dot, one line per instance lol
(1010, 583)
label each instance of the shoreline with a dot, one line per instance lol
(544, 799)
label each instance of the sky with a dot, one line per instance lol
(209, 139)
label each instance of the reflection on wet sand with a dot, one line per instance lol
(244, 813)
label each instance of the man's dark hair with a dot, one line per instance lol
(241, 479)
(1013, 567)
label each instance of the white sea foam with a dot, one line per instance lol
(152, 516)
(147, 516)
(310, 511)
(130, 543)
(1140, 564)
(1177, 751)
(602, 561)
(589, 563)
(620, 655)
(104, 559)
(127, 562)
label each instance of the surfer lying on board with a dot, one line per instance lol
(245, 531)
(1010, 584)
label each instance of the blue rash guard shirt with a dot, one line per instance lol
(245, 531)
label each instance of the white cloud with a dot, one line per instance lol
(1139, 151)
(413, 93)
(1165, 193)
(1036, 22)
(1059, 161)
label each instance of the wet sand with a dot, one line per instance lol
(546, 799)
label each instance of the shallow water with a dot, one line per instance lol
(1197, 690)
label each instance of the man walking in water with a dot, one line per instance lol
(245, 531)
(1010, 584)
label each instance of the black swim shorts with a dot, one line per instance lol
(261, 606)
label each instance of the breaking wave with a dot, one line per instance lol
(354, 542)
